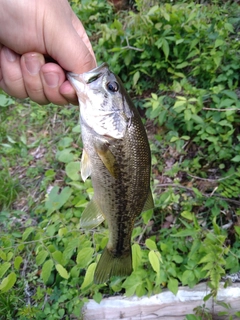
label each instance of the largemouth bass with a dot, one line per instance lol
(117, 157)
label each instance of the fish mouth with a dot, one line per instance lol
(87, 77)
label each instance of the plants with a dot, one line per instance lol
(180, 63)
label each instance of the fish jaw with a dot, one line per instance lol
(80, 81)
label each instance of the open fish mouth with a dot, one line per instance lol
(88, 77)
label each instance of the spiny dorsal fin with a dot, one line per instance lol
(85, 166)
(92, 216)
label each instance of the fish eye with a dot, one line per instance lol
(112, 86)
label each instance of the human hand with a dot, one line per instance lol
(31, 32)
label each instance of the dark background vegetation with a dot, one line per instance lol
(179, 60)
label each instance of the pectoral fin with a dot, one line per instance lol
(149, 204)
(107, 158)
(92, 216)
(85, 166)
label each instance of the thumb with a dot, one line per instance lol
(69, 44)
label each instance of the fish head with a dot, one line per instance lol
(104, 103)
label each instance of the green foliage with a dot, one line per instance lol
(180, 61)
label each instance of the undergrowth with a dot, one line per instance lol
(180, 63)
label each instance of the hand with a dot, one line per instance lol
(31, 33)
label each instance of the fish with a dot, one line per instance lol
(116, 155)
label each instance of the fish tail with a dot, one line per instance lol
(109, 265)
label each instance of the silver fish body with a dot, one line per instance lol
(117, 157)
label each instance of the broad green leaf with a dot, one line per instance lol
(154, 260)
(57, 256)
(8, 282)
(3, 255)
(236, 158)
(5, 100)
(46, 270)
(65, 155)
(150, 244)
(4, 268)
(165, 47)
(27, 232)
(210, 257)
(17, 262)
(65, 142)
(73, 170)
(56, 200)
(62, 271)
(182, 65)
(88, 279)
(9, 256)
(136, 256)
(185, 233)
(84, 257)
(173, 285)
(136, 78)
(187, 215)
(187, 277)
(97, 297)
(177, 258)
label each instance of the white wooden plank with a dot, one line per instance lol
(162, 306)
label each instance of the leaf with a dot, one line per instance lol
(57, 256)
(182, 65)
(55, 201)
(65, 155)
(4, 268)
(84, 257)
(8, 282)
(187, 277)
(62, 271)
(97, 297)
(165, 47)
(46, 270)
(17, 262)
(136, 78)
(236, 158)
(136, 256)
(150, 244)
(65, 142)
(154, 260)
(73, 170)
(5, 100)
(27, 232)
(173, 285)
(185, 233)
(187, 215)
(88, 279)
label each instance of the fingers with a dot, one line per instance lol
(31, 64)
(11, 80)
(29, 76)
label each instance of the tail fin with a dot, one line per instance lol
(112, 266)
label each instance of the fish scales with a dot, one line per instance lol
(117, 157)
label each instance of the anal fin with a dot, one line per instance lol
(92, 216)
(149, 204)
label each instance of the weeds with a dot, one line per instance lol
(180, 62)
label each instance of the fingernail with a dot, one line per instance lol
(9, 54)
(52, 79)
(33, 63)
